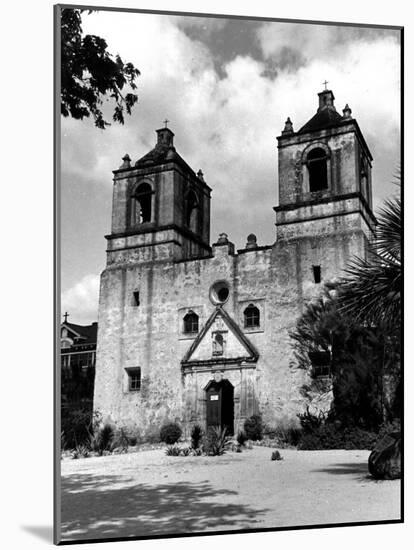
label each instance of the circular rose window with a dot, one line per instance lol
(219, 292)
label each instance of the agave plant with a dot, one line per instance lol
(80, 451)
(172, 450)
(216, 441)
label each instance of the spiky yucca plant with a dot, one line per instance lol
(216, 441)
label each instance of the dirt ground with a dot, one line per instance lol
(148, 493)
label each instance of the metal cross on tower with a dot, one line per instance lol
(166, 121)
(326, 82)
(66, 315)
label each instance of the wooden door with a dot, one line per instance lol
(214, 399)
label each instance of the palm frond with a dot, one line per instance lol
(371, 289)
(371, 292)
(389, 230)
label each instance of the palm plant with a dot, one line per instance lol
(371, 290)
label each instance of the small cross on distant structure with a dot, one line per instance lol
(66, 315)
(326, 82)
(166, 121)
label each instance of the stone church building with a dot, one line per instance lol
(199, 333)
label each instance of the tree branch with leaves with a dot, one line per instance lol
(89, 74)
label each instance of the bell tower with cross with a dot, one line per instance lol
(160, 207)
(325, 187)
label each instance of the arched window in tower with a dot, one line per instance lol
(190, 323)
(141, 203)
(251, 317)
(192, 212)
(317, 168)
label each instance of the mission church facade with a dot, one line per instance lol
(198, 333)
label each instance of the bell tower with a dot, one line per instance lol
(160, 207)
(325, 188)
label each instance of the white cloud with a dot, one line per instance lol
(81, 300)
(207, 25)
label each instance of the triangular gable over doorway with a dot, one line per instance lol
(220, 341)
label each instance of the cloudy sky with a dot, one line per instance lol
(227, 87)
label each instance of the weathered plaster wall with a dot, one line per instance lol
(279, 279)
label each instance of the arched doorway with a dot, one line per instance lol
(220, 405)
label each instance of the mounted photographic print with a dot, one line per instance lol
(228, 206)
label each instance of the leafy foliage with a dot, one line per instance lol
(77, 425)
(253, 427)
(102, 439)
(330, 436)
(311, 422)
(170, 433)
(89, 74)
(360, 357)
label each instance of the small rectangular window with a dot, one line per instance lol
(316, 273)
(134, 378)
(135, 298)
(321, 364)
(321, 371)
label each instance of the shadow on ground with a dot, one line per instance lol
(359, 471)
(96, 507)
(358, 468)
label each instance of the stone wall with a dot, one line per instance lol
(279, 279)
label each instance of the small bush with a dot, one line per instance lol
(101, 440)
(133, 434)
(120, 441)
(311, 422)
(170, 433)
(276, 456)
(241, 438)
(288, 437)
(216, 442)
(76, 426)
(253, 427)
(132, 440)
(196, 436)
